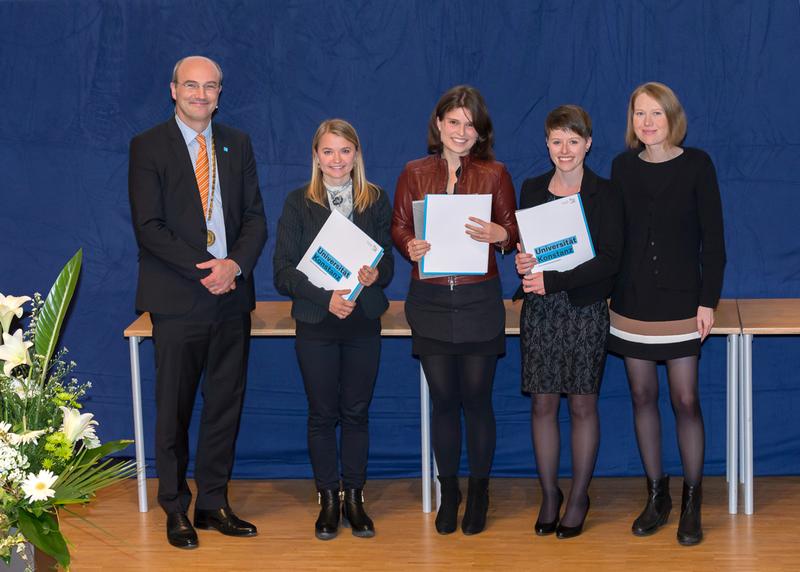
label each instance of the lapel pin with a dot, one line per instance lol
(225, 149)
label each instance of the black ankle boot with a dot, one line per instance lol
(447, 517)
(690, 528)
(327, 525)
(656, 511)
(354, 514)
(477, 505)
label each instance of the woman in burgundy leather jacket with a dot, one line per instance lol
(458, 322)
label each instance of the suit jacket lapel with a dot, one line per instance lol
(181, 158)
(223, 150)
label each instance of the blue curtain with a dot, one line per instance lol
(79, 79)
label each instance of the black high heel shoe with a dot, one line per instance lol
(572, 531)
(545, 528)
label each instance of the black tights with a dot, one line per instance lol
(683, 391)
(546, 442)
(457, 381)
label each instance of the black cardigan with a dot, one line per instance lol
(683, 220)
(593, 280)
(299, 224)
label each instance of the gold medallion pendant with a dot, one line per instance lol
(210, 237)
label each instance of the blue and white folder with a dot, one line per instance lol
(337, 253)
(556, 233)
(453, 251)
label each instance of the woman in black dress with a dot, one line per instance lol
(338, 341)
(458, 322)
(564, 321)
(669, 283)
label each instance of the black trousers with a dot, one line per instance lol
(185, 348)
(339, 378)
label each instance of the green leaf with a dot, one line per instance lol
(43, 532)
(51, 316)
(91, 455)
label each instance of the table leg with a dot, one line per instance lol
(746, 420)
(740, 419)
(732, 461)
(138, 424)
(425, 426)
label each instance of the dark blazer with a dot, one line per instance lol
(169, 223)
(683, 221)
(299, 224)
(593, 280)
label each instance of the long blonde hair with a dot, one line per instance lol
(364, 192)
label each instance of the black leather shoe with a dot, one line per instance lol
(180, 532)
(327, 525)
(545, 528)
(656, 511)
(477, 506)
(690, 528)
(563, 532)
(355, 516)
(447, 517)
(223, 520)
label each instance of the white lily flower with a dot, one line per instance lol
(39, 487)
(11, 306)
(14, 351)
(78, 425)
(27, 437)
(4, 427)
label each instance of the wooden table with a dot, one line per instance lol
(779, 317)
(274, 319)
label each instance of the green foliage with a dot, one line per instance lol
(42, 429)
(51, 315)
(42, 530)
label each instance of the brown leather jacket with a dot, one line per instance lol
(428, 176)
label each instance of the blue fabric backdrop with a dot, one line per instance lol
(79, 79)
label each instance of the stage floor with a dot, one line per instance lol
(285, 510)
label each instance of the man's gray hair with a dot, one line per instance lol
(180, 61)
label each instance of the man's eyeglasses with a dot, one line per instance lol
(211, 87)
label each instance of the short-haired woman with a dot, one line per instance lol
(564, 321)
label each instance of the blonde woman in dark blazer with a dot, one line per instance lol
(338, 341)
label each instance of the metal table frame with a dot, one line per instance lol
(739, 435)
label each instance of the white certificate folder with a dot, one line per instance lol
(339, 250)
(556, 233)
(453, 251)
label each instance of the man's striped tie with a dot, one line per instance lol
(201, 172)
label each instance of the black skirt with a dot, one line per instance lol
(468, 319)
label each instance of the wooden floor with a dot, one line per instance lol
(284, 512)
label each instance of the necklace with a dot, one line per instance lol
(211, 238)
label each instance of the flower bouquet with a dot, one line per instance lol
(50, 456)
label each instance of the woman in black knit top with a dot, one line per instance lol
(338, 341)
(670, 280)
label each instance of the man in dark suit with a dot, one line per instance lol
(199, 223)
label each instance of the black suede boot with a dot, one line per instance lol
(354, 514)
(447, 517)
(690, 528)
(656, 511)
(477, 506)
(327, 525)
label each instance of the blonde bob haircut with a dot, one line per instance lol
(364, 192)
(666, 98)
